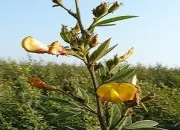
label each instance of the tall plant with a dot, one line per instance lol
(112, 100)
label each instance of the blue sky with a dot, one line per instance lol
(154, 34)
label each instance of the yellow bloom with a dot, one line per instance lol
(57, 49)
(117, 92)
(32, 45)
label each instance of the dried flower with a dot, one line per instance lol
(127, 55)
(34, 46)
(57, 49)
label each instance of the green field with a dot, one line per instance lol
(25, 108)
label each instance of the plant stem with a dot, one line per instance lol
(98, 101)
(95, 21)
(68, 10)
(79, 16)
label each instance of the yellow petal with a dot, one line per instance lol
(126, 91)
(104, 89)
(32, 45)
(107, 93)
(111, 96)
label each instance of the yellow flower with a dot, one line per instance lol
(57, 49)
(117, 92)
(32, 45)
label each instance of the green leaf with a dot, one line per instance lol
(102, 72)
(75, 127)
(142, 124)
(110, 20)
(115, 115)
(64, 115)
(121, 74)
(82, 94)
(108, 50)
(116, 68)
(105, 25)
(151, 128)
(58, 100)
(125, 122)
(97, 54)
(66, 35)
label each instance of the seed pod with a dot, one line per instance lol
(100, 9)
(116, 60)
(110, 64)
(114, 7)
(58, 2)
(77, 28)
(94, 41)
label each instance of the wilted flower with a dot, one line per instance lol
(116, 92)
(127, 55)
(32, 45)
(57, 49)
(36, 82)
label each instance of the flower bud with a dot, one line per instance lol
(94, 41)
(114, 7)
(100, 10)
(65, 34)
(77, 28)
(58, 2)
(57, 49)
(110, 64)
(116, 60)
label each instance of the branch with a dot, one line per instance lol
(79, 16)
(98, 101)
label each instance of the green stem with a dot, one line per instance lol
(95, 21)
(98, 101)
(68, 10)
(79, 16)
